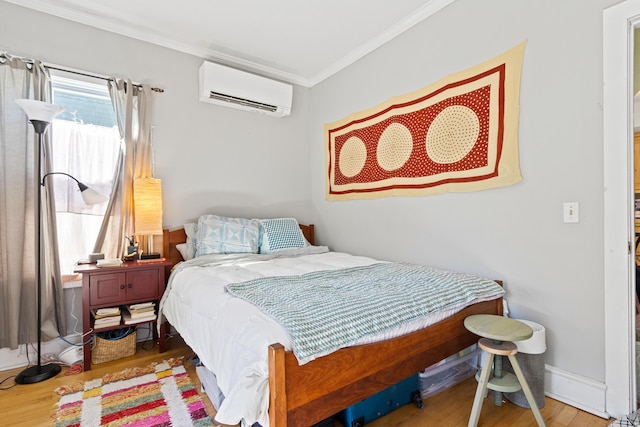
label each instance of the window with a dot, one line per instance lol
(86, 144)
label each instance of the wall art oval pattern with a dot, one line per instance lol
(458, 134)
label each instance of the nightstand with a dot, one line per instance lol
(132, 282)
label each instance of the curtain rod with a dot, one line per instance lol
(67, 70)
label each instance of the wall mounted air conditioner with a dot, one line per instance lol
(234, 88)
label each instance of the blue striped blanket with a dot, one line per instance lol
(326, 310)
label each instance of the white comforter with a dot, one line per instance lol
(231, 336)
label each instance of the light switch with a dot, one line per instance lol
(571, 211)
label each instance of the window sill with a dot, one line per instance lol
(71, 281)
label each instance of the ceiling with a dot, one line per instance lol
(299, 41)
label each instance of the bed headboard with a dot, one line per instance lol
(171, 238)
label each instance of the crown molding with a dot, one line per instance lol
(78, 16)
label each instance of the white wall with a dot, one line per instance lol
(211, 158)
(553, 272)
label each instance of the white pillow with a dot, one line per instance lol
(221, 235)
(190, 248)
(182, 248)
(280, 234)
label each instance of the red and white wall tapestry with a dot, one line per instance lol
(458, 134)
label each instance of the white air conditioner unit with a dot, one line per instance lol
(234, 88)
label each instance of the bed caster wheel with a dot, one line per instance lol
(417, 399)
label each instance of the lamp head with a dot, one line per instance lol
(40, 113)
(91, 196)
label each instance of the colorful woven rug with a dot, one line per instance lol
(159, 395)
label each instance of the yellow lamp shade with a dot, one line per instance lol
(147, 200)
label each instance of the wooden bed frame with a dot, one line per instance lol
(304, 395)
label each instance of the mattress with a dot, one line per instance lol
(232, 336)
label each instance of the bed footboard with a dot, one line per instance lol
(304, 395)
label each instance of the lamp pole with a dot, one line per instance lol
(39, 372)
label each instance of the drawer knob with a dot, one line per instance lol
(121, 286)
(129, 286)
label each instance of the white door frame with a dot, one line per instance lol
(619, 261)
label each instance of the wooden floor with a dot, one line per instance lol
(33, 405)
(452, 407)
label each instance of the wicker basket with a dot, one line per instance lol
(107, 350)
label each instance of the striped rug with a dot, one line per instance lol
(159, 395)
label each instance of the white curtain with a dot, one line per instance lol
(19, 183)
(89, 153)
(133, 112)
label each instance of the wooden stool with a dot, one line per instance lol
(497, 334)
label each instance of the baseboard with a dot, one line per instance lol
(575, 390)
(10, 359)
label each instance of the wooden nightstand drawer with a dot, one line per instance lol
(143, 285)
(106, 288)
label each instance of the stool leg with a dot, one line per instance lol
(481, 390)
(526, 390)
(497, 373)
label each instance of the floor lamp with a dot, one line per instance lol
(40, 115)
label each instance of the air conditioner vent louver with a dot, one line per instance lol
(242, 101)
(239, 89)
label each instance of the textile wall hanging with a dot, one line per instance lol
(458, 134)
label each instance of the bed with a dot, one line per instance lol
(304, 394)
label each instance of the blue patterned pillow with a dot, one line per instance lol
(221, 235)
(280, 234)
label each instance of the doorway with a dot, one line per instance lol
(635, 109)
(619, 22)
